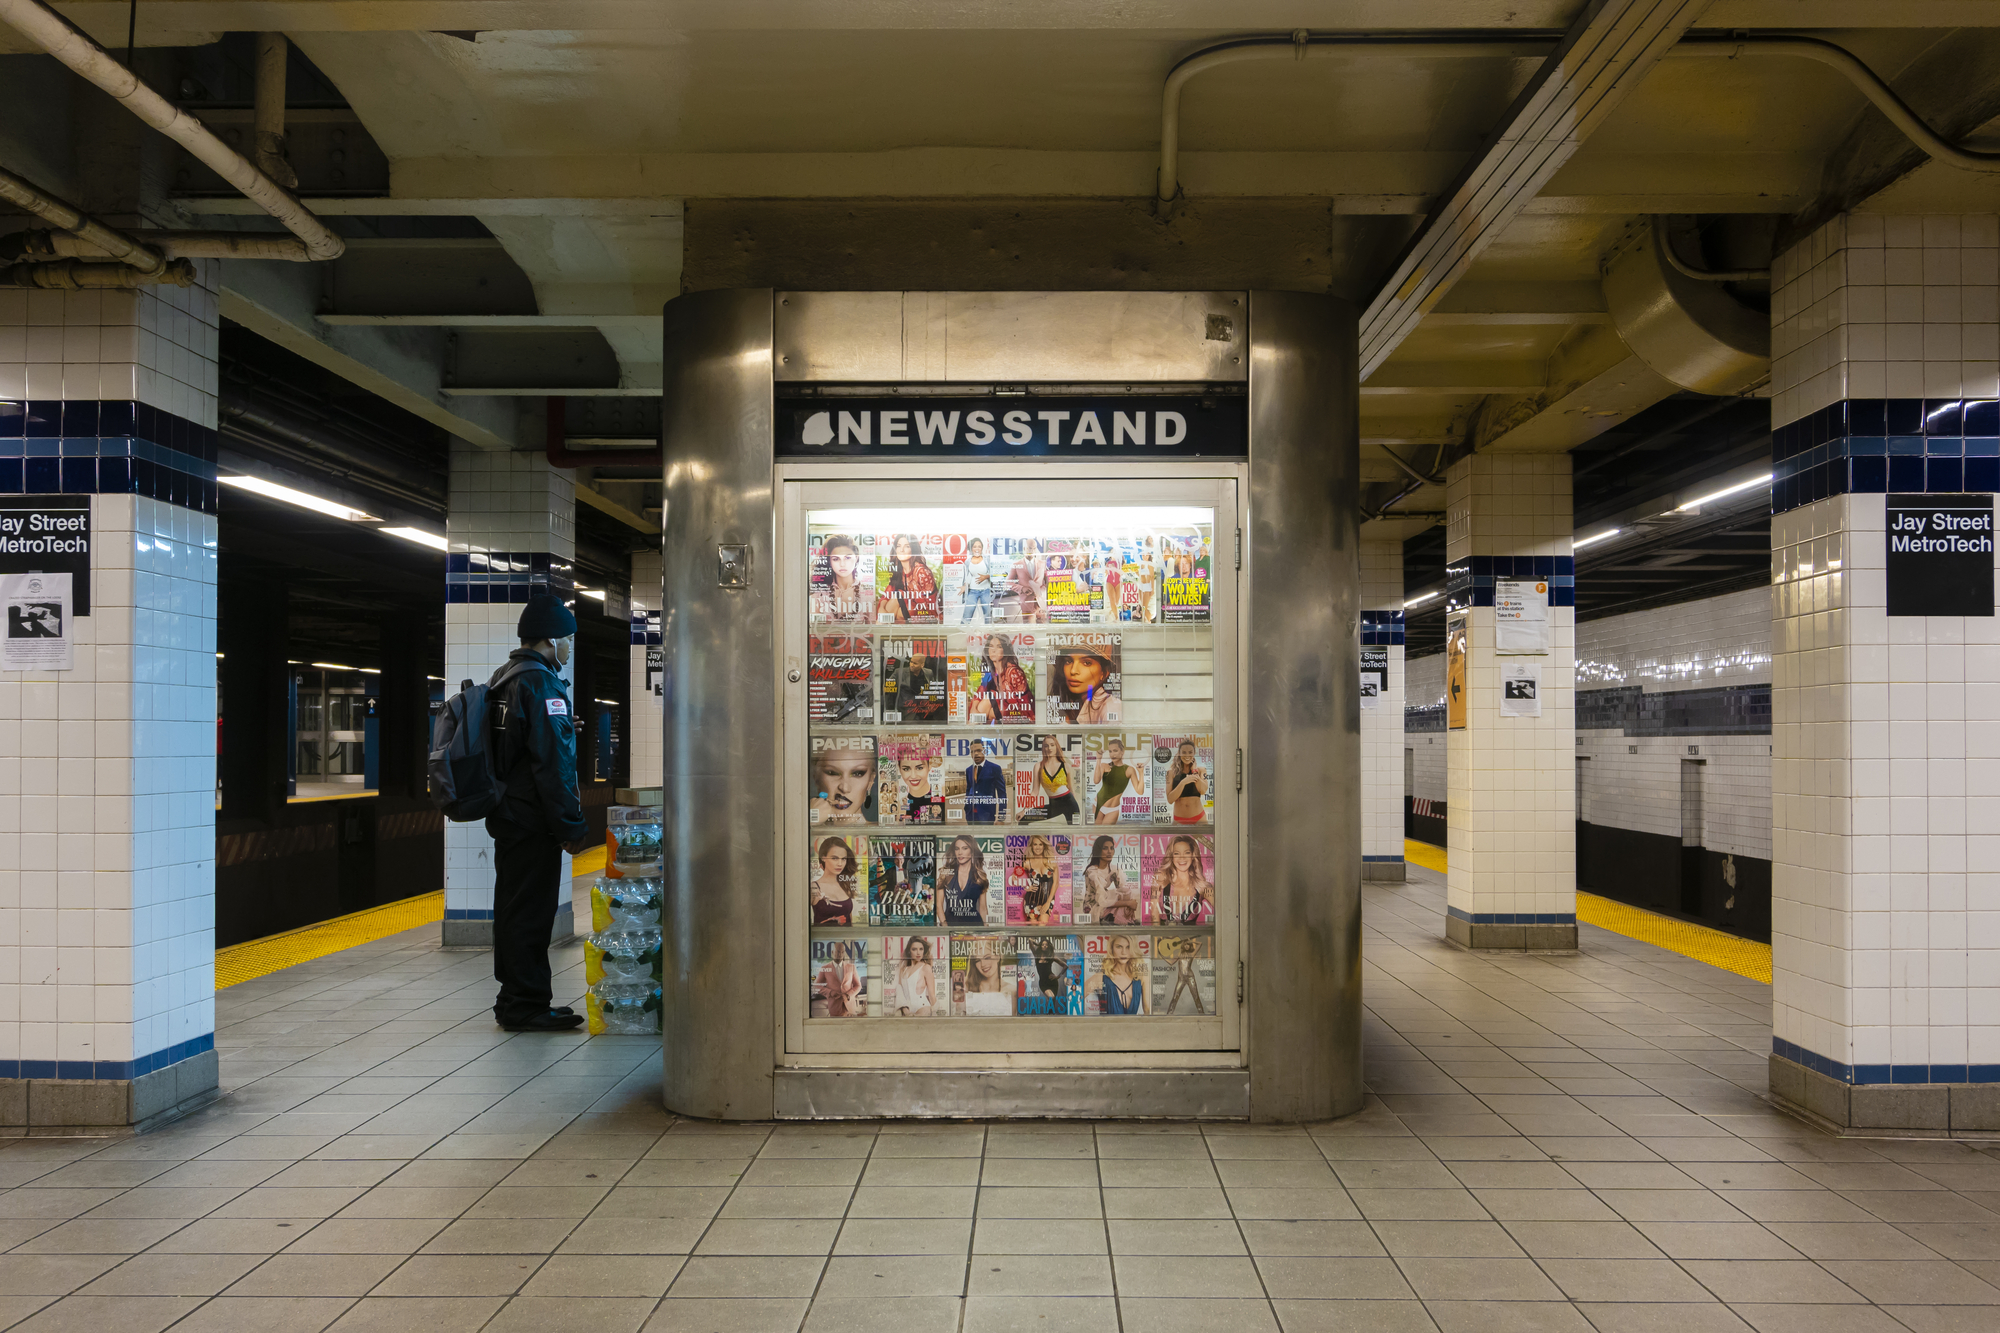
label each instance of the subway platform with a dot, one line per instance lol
(1559, 1143)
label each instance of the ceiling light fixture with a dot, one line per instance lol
(1726, 491)
(333, 666)
(270, 490)
(1605, 535)
(1421, 598)
(596, 594)
(417, 535)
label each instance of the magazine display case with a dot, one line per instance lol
(1012, 721)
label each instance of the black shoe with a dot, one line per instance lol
(544, 1022)
(561, 1009)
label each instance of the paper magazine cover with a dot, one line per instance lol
(913, 681)
(837, 880)
(916, 976)
(1066, 583)
(1118, 974)
(1144, 576)
(1183, 974)
(912, 769)
(843, 578)
(983, 577)
(1049, 776)
(1106, 886)
(1184, 597)
(1038, 879)
(1049, 976)
(840, 679)
(1086, 684)
(838, 976)
(990, 678)
(1118, 771)
(1179, 874)
(1183, 778)
(840, 780)
(982, 975)
(951, 576)
(909, 586)
(902, 881)
(972, 880)
(1022, 569)
(978, 778)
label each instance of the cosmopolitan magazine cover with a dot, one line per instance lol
(1038, 879)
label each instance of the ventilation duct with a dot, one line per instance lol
(1688, 330)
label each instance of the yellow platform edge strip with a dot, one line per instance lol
(587, 863)
(256, 958)
(1746, 958)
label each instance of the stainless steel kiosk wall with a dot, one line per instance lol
(1292, 1050)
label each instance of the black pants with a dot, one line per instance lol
(527, 870)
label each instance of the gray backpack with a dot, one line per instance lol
(463, 782)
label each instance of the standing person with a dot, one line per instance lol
(540, 815)
(985, 788)
(1187, 786)
(1148, 574)
(978, 583)
(1052, 778)
(1026, 578)
(912, 595)
(962, 885)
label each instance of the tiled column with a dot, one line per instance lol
(1382, 726)
(647, 709)
(1511, 788)
(511, 533)
(107, 770)
(1885, 784)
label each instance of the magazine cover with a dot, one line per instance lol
(1049, 976)
(837, 880)
(908, 588)
(1184, 598)
(982, 975)
(1145, 576)
(1183, 974)
(1049, 773)
(1118, 974)
(843, 579)
(902, 881)
(913, 681)
(1038, 879)
(840, 679)
(916, 976)
(840, 780)
(1066, 583)
(1126, 581)
(983, 575)
(1086, 685)
(1179, 874)
(1183, 779)
(978, 778)
(1118, 768)
(951, 576)
(912, 768)
(839, 979)
(990, 678)
(1106, 888)
(1020, 569)
(972, 880)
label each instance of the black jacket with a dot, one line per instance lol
(534, 752)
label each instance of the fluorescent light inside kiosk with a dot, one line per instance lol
(1025, 521)
(271, 490)
(417, 535)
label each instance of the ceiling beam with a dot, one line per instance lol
(1606, 53)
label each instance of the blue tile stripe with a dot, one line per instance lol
(1514, 918)
(645, 626)
(1470, 582)
(1880, 1075)
(106, 448)
(1872, 446)
(488, 577)
(1382, 629)
(468, 914)
(1397, 859)
(109, 1070)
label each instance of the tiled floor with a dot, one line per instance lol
(1554, 1143)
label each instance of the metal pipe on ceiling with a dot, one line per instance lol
(268, 109)
(172, 244)
(53, 34)
(108, 241)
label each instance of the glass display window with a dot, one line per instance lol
(1010, 766)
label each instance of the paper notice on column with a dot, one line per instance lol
(1520, 616)
(38, 623)
(1521, 689)
(1374, 677)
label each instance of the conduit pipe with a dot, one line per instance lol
(107, 242)
(30, 245)
(268, 109)
(1302, 45)
(53, 34)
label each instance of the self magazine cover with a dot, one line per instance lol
(1106, 886)
(983, 978)
(1086, 683)
(916, 976)
(1183, 974)
(1179, 874)
(1118, 974)
(1049, 776)
(912, 771)
(840, 679)
(837, 880)
(842, 571)
(913, 681)
(908, 579)
(1118, 766)
(972, 880)
(1183, 778)
(838, 976)
(1038, 879)
(978, 779)
(902, 881)
(1049, 976)
(990, 678)
(840, 780)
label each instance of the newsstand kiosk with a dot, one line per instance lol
(1012, 738)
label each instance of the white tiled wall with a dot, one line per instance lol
(156, 345)
(647, 711)
(1876, 306)
(1382, 726)
(1716, 641)
(1511, 781)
